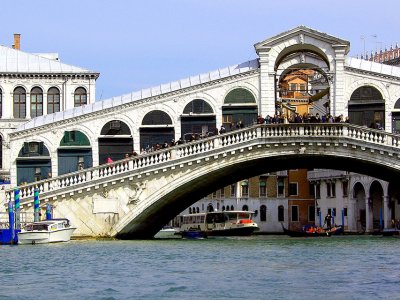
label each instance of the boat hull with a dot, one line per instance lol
(44, 237)
(293, 233)
(242, 231)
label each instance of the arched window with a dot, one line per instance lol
(19, 107)
(281, 213)
(239, 96)
(397, 104)
(223, 207)
(197, 209)
(198, 106)
(36, 102)
(80, 97)
(210, 208)
(245, 207)
(190, 210)
(232, 208)
(156, 117)
(53, 100)
(263, 213)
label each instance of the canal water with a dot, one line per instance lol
(256, 267)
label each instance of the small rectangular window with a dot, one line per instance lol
(263, 189)
(295, 213)
(345, 212)
(317, 191)
(293, 189)
(345, 185)
(222, 193)
(233, 190)
(281, 187)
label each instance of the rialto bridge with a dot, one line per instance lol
(135, 197)
(48, 148)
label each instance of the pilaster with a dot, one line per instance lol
(267, 84)
(338, 103)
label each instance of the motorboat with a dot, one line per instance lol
(220, 223)
(167, 232)
(49, 231)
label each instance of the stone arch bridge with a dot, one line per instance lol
(134, 198)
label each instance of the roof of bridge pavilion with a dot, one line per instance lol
(142, 94)
(13, 61)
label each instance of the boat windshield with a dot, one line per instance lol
(36, 227)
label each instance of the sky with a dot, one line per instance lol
(140, 44)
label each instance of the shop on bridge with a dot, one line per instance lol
(367, 108)
(33, 163)
(198, 119)
(156, 129)
(239, 109)
(115, 141)
(74, 153)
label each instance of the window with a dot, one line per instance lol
(312, 190)
(233, 190)
(53, 100)
(214, 194)
(302, 87)
(232, 208)
(293, 189)
(80, 97)
(345, 187)
(295, 213)
(345, 211)
(317, 191)
(222, 193)
(245, 188)
(245, 208)
(281, 186)
(331, 189)
(293, 87)
(217, 205)
(36, 102)
(263, 213)
(281, 213)
(19, 98)
(263, 189)
(311, 213)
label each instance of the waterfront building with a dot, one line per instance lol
(35, 85)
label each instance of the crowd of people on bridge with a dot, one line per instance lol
(305, 118)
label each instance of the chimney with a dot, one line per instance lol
(17, 41)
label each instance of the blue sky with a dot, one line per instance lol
(139, 44)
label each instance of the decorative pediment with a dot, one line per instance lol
(302, 34)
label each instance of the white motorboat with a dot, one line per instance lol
(49, 231)
(167, 232)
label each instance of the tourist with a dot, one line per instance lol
(109, 160)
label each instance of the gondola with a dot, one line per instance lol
(319, 233)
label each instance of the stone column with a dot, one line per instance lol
(368, 213)
(267, 85)
(28, 105)
(338, 103)
(386, 211)
(351, 215)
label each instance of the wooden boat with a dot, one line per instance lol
(49, 231)
(217, 223)
(318, 232)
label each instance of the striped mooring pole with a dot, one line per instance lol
(17, 209)
(11, 220)
(36, 208)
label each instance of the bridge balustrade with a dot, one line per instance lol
(108, 172)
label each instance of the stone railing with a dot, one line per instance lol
(109, 172)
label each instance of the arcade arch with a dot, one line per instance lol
(156, 129)
(33, 162)
(239, 109)
(74, 152)
(198, 118)
(115, 141)
(367, 107)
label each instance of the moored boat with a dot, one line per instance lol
(314, 232)
(167, 232)
(49, 231)
(225, 223)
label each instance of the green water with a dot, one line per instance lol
(257, 267)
